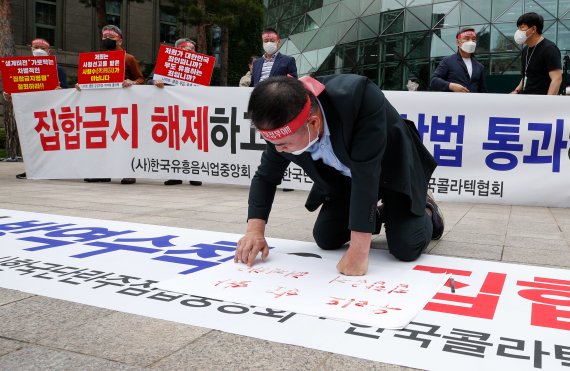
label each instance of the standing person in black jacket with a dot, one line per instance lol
(461, 72)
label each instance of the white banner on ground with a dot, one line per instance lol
(506, 149)
(387, 297)
(502, 316)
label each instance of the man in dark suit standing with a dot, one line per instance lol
(272, 63)
(357, 150)
(461, 72)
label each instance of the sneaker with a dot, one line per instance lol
(128, 181)
(195, 183)
(172, 182)
(436, 217)
(95, 180)
(21, 176)
(288, 190)
(380, 219)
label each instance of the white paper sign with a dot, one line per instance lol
(385, 297)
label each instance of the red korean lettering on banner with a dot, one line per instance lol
(548, 295)
(482, 305)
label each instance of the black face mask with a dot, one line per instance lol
(109, 44)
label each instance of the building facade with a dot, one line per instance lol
(389, 40)
(71, 28)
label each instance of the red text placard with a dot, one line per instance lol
(99, 70)
(181, 67)
(24, 74)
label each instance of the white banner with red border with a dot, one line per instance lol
(491, 148)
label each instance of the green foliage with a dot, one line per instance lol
(2, 139)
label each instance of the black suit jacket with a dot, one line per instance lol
(284, 65)
(453, 69)
(382, 151)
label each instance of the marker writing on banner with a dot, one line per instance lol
(452, 285)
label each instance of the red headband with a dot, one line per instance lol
(290, 127)
(316, 88)
(466, 33)
(41, 42)
(111, 33)
(184, 44)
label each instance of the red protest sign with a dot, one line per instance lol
(99, 70)
(24, 74)
(181, 67)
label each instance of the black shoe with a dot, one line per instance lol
(172, 182)
(195, 183)
(21, 176)
(128, 181)
(379, 219)
(288, 190)
(436, 217)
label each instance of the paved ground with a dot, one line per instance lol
(42, 333)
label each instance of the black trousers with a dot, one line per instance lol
(407, 234)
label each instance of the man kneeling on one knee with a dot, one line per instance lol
(357, 150)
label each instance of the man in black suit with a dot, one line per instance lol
(461, 72)
(272, 63)
(357, 150)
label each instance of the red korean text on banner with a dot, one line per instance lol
(181, 67)
(24, 74)
(100, 70)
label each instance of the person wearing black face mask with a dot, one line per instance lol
(112, 39)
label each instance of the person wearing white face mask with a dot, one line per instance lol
(41, 48)
(357, 149)
(272, 63)
(461, 72)
(541, 65)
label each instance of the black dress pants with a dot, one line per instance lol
(407, 234)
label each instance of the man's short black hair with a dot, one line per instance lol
(532, 19)
(270, 30)
(463, 30)
(276, 101)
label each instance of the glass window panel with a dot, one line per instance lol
(369, 51)
(392, 5)
(393, 48)
(421, 70)
(546, 8)
(300, 27)
(374, 8)
(316, 15)
(351, 35)
(349, 9)
(513, 13)
(502, 38)
(349, 55)
(45, 14)
(549, 30)
(392, 22)
(323, 54)
(325, 37)
(483, 7)
(329, 63)
(564, 35)
(501, 6)
(113, 7)
(418, 45)
(423, 13)
(330, 15)
(113, 19)
(168, 33)
(470, 16)
(443, 42)
(46, 33)
(364, 32)
(505, 64)
(371, 72)
(563, 8)
(445, 14)
(392, 76)
(373, 22)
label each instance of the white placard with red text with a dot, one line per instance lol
(491, 148)
(387, 297)
(182, 67)
(501, 316)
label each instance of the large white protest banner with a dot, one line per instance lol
(490, 148)
(501, 316)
